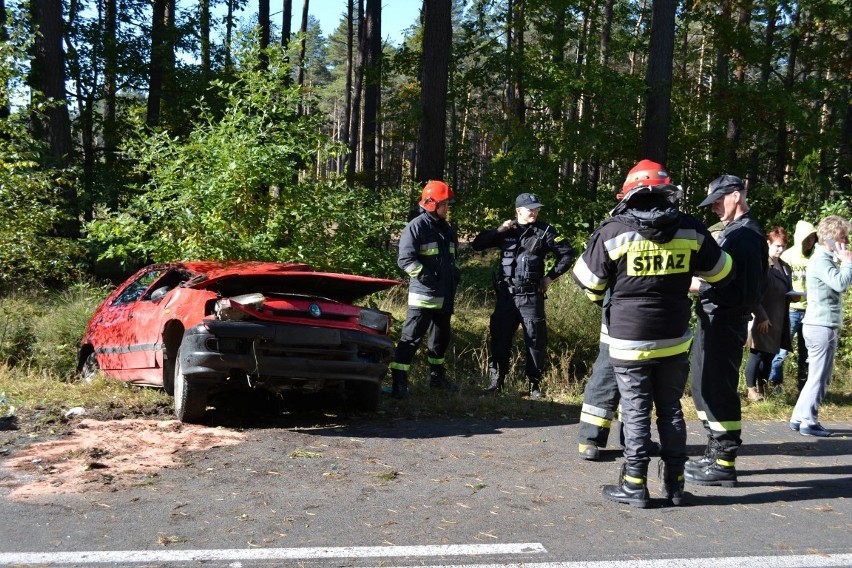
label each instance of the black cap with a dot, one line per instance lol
(720, 186)
(528, 200)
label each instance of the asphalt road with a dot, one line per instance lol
(444, 484)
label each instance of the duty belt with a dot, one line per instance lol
(519, 287)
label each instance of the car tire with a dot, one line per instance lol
(367, 396)
(90, 368)
(190, 399)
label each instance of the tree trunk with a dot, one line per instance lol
(510, 66)
(157, 64)
(437, 38)
(355, 121)
(605, 39)
(229, 34)
(347, 110)
(372, 91)
(169, 102)
(4, 37)
(304, 31)
(658, 81)
(843, 168)
(263, 23)
(789, 81)
(519, 105)
(47, 75)
(735, 113)
(204, 33)
(287, 16)
(636, 33)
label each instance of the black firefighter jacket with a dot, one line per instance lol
(427, 253)
(647, 259)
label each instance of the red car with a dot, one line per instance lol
(198, 327)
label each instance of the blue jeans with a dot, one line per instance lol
(776, 374)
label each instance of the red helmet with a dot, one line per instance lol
(646, 173)
(435, 192)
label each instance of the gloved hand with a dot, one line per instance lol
(427, 278)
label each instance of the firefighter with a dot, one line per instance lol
(720, 334)
(600, 397)
(427, 253)
(645, 255)
(521, 286)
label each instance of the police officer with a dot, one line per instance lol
(645, 255)
(723, 316)
(521, 284)
(427, 253)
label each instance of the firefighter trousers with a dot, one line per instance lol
(600, 401)
(417, 322)
(511, 311)
(656, 383)
(717, 353)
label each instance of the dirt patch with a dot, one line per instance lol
(106, 456)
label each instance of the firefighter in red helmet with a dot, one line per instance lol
(600, 397)
(641, 260)
(427, 253)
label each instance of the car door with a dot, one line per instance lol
(124, 336)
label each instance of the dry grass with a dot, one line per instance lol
(40, 387)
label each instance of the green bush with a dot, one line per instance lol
(17, 314)
(42, 330)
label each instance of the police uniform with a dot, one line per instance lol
(427, 253)
(720, 335)
(520, 299)
(646, 254)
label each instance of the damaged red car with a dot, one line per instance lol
(197, 328)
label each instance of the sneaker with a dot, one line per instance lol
(794, 426)
(816, 430)
(777, 390)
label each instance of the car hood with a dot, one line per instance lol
(230, 279)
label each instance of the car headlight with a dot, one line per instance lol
(225, 311)
(374, 319)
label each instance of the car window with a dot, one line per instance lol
(170, 279)
(135, 289)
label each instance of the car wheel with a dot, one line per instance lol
(367, 396)
(90, 368)
(190, 399)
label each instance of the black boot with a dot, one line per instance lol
(673, 482)
(708, 459)
(721, 472)
(535, 389)
(438, 380)
(632, 488)
(399, 389)
(590, 452)
(496, 384)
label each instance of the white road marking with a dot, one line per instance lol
(822, 560)
(801, 561)
(140, 556)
